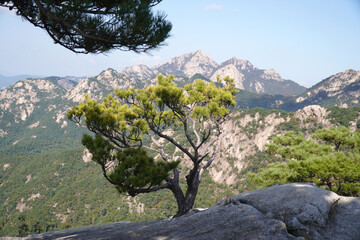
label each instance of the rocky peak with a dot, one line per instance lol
(111, 79)
(108, 74)
(196, 63)
(241, 64)
(313, 112)
(348, 74)
(338, 81)
(271, 74)
(31, 88)
(103, 84)
(344, 87)
(140, 71)
(232, 71)
(189, 64)
(21, 98)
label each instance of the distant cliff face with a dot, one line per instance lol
(39, 147)
(246, 76)
(244, 134)
(22, 98)
(341, 89)
(58, 172)
(188, 65)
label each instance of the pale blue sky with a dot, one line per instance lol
(304, 40)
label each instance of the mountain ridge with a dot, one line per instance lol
(46, 178)
(343, 87)
(245, 75)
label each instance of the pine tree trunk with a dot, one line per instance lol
(180, 199)
(185, 202)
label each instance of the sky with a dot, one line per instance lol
(304, 40)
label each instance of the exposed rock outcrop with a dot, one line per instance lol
(307, 211)
(22, 98)
(341, 89)
(241, 143)
(313, 113)
(232, 71)
(139, 71)
(245, 75)
(189, 64)
(287, 211)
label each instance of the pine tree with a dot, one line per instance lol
(330, 159)
(96, 26)
(121, 122)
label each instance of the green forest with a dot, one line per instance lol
(46, 185)
(156, 151)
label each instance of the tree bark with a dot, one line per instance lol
(185, 202)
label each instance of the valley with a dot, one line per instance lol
(48, 182)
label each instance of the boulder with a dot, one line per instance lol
(307, 211)
(284, 211)
(313, 112)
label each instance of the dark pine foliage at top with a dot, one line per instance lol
(96, 26)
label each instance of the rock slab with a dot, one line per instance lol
(284, 211)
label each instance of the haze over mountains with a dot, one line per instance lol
(6, 81)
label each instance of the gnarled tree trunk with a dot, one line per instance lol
(185, 202)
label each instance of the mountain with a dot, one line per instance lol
(246, 76)
(186, 68)
(22, 98)
(255, 80)
(341, 89)
(105, 83)
(139, 71)
(67, 82)
(188, 65)
(47, 181)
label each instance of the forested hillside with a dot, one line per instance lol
(48, 181)
(50, 184)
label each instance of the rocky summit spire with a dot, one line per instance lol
(189, 64)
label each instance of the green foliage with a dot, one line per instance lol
(336, 136)
(336, 172)
(295, 146)
(96, 26)
(133, 168)
(73, 193)
(331, 159)
(343, 116)
(292, 125)
(122, 121)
